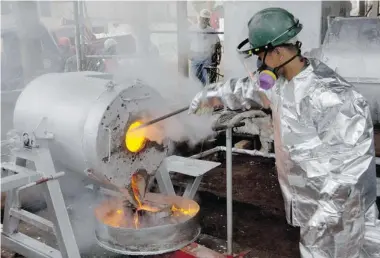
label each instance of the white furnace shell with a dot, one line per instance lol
(88, 117)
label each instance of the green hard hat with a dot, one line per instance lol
(272, 27)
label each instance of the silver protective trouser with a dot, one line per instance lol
(359, 237)
(324, 149)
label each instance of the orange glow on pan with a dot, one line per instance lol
(135, 140)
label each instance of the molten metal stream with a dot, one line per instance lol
(118, 215)
(135, 190)
(137, 196)
(118, 218)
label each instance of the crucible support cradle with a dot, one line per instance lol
(187, 166)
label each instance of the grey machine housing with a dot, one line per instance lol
(87, 114)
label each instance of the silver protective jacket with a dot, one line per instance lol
(323, 142)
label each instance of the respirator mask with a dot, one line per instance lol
(266, 76)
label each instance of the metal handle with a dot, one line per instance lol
(109, 143)
(161, 118)
(134, 99)
(39, 181)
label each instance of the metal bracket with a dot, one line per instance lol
(109, 142)
(110, 85)
(186, 166)
(134, 99)
(46, 176)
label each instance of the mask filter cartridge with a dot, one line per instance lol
(267, 79)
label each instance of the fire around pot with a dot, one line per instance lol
(154, 231)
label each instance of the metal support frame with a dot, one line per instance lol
(78, 48)
(183, 63)
(229, 188)
(186, 166)
(27, 21)
(19, 177)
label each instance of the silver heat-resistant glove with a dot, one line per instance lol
(202, 100)
(234, 93)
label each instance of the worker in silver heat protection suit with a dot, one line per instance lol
(323, 137)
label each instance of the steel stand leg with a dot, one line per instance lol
(229, 188)
(55, 202)
(192, 188)
(10, 224)
(164, 182)
(60, 223)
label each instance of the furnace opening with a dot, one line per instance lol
(135, 140)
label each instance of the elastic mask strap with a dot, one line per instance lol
(268, 70)
(263, 65)
(275, 70)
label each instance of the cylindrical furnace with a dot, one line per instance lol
(89, 117)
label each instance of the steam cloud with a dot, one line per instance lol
(177, 91)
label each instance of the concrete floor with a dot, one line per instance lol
(80, 209)
(94, 250)
(218, 245)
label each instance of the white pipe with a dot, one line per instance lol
(250, 152)
(39, 181)
(229, 150)
(229, 188)
(243, 151)
(207, 152)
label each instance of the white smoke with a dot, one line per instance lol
(177, 92)
(156, 72)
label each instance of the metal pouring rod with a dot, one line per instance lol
(156, 120)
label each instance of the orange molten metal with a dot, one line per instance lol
(113, 213)
(114, 218)
(136, 190)
(189, 211)
(135, 140)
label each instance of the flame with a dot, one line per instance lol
(117, 218)
(115, 214)
(135, 139)
(140, 206)
(143, 207)
(135, 189)
(114, 218)
(146, 207)
(136, 220)
(189, 211)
